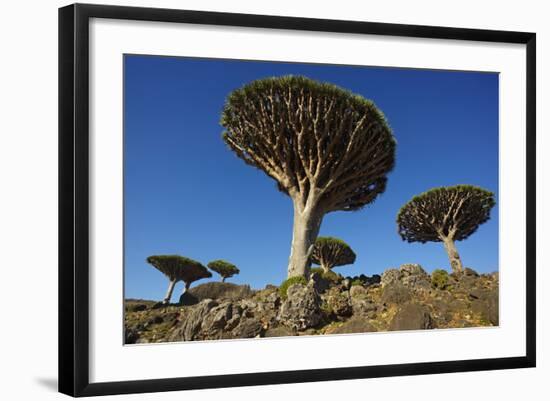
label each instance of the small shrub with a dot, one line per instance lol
(288, 282)
(357, 282)
(440, 279)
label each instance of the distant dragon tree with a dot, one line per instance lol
(178, 268)
(224, 268)
(329, 252)
(445, 214)
(327, 148)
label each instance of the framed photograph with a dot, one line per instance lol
(250, 199)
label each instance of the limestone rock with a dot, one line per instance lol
(339, 302)
(390, 276)
(414, 276)
(216, 319)
(301, 309)
(320, 284)
(412, 316)
(248, 328)
(396, 293)
(191, 325)
(221, 291)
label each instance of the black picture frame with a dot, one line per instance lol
(74, 198)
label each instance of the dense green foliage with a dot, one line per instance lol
(223, 268)
(440, 279)
(288, 282)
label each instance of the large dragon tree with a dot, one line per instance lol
(327, 148)
(178, 268)
(329, 252)
(445, 214)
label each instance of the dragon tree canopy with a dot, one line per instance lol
(445, 214)
(327, 148)
(330, 252)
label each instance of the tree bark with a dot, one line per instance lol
(307, 223)
(223, 279)
(454, 257)
(186, 287)
(325, 268)
(169, 292)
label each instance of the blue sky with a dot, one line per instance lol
(187, 193)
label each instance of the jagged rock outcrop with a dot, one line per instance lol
(412, 316)
(396, 293)
(319, 283)
(410, 275)
(216, 291)
(193, 321)
(338, 302)
(301, 309)
(399, 299)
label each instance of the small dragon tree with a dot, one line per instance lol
(330, 252)
(445, 214)
(327, 148)
(178, 268)
(223, 268)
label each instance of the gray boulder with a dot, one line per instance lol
(390, 276)
(395, 293)
(131, 335)
(216, 319)
(486, 305)
(412, 269)
(414, 276)
(410, 275)
(363, 307)
(191, 325)
(361, 303)
(188, 299)
(319, 283)
(412, 316)
(248, 328)
(358, 291)
(301, 309)
(338, 302)
(220, 291)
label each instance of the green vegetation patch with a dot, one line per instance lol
(283, 288)
(440, 279)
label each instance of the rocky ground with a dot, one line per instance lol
(401, 299)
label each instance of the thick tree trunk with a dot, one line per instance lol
(223, 279)
(169, 292)
(307, 223)
(325, 268)
(186, 288)
(454, 257)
